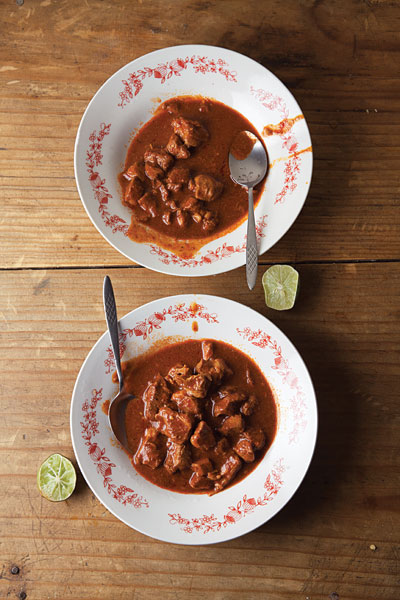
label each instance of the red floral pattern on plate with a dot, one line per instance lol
(200, 64)
(90, 427)
(101, 193)
(289, 142)
(179, 312)
(224, 251)
(281, 366)
(210, 523)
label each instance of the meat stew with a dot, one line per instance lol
(202, 417)
(176, 179)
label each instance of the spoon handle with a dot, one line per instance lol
(112, 323)
(251, 246)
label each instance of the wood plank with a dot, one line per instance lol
(348, 332)
(345, 79)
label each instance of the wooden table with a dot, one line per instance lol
(338, 537)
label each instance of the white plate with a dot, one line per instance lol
(196, 519)
(127, 100)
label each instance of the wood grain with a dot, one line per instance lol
(348, 334)
(55, 55)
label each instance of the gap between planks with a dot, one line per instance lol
(261, 262)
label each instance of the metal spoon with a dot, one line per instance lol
(117, 408)
(248, 165)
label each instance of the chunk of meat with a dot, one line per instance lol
(244, 449)
(176, 426)
(222, 447)
(187, 404)
(205, 187)
(191, 132)
(153, 172)
(203, 437)
(232, 425)
(177, 148)
(200, 482)
(164, 193)
(136, 170)
(177, 178)
(233, 392)
(256, 436)
(181, 218)
(178, 374)
(213, 369)
(196, 385)
(148, 203)
(172, 205)
(191, 205)
(203, 466)
(133, 192)
(249, 406)
(166, 218)
(197, 216)
(178, 457)
(199, 479)
(227, 472)
(209, 221)
(227, 401)
(149, 452)
(207, 349)
(156, 395)
(165, 197)
(159, 157)
(224, 406)
(250, 440)
(194, 208)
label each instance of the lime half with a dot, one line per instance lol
(280, 284)
(56, 478)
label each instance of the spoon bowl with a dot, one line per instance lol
(248, 163)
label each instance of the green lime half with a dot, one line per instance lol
(280, 284)
(56, 478)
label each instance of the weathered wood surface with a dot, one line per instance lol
(340, 59)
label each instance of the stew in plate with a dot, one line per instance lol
(202, 417)
(176, 179)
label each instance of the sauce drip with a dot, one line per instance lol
(282, 127)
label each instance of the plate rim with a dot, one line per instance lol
(167, 270)
(314, 433)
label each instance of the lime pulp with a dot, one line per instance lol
(56, 478)
(280, 283)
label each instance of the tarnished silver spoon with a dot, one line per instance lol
(248, 164)
(117, 408)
